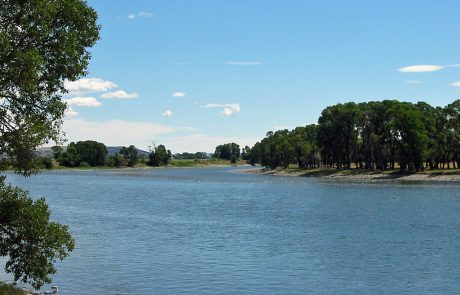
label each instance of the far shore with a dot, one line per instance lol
(445, 175)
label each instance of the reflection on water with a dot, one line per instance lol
(217, 231)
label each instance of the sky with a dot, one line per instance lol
(192, 74)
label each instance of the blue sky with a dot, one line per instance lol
(192, 74)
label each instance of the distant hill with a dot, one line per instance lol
(112, 150)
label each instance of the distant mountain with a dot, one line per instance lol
(112, 150)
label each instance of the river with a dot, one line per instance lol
(219, 231)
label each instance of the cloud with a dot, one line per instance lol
(140, 14)
(243, 63)
(114, 132)
(455, 84)
(120, 94)
(141, 134)
(69, 112)
(229, 109)
(167, 114)
(179, 94)
(413, 82)
(85, 101)
(145, 14)
(425, 68)
(89, 85)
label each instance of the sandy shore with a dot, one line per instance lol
(371, 176)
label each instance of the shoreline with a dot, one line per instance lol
(357, 175)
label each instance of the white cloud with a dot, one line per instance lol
(229, 109)
(455, 84)
(413, 82)
(120, 94)
(85, 101)
(425, 68)
(141, 134)
(243, 63)
(114, 132)
(145, 14)
(89, 85)
(179, 94)
(140, 14)
(69, 112)
(420, 68)
(167, 114)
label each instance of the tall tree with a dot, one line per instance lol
(43, 43)
(130, 155)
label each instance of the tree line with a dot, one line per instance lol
(379, 135)
(90, 153)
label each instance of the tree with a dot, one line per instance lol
(43, 43)
(114, 160)
(57, 151)
(130, 155)
(91, 152)
(160, 156)
(228, 151)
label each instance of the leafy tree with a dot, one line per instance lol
(71, 157)
(57, 151)
(160, 156)
(114, 160)
(43, 43)
(228, 151)
(91, 152)
(130, 155)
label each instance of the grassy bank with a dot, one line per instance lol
(174, 163)
(6, 289)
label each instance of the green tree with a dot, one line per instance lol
(159, 156)
(130, 155)
(43, 43)
(227, 151)
(114, 160)
(57, 151)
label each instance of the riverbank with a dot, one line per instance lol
(6, 289)
(179, 163)
(363, 175)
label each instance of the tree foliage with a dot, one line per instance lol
(43, 43)
(130, 155)
(28, 238)
(160, 156)
(228, 151)
(372, 135)
(89, 153)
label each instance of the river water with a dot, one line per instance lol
(219, 231)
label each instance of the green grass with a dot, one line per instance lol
(10, 290)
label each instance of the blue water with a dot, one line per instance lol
(217, 231)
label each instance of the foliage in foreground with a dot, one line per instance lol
(29, 239)
(43, 43)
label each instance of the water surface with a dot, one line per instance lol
(217, 231)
